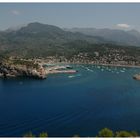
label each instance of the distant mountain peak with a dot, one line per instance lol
(36, 27)
(36, 24)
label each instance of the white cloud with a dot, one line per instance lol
(123, 25)
(15, 12)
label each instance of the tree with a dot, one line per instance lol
(105, 133)
(124, 134)
(29, 134)
(134, 133)
(43, 134)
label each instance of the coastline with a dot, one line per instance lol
(40, 69)
(113, 65)
(110, 65)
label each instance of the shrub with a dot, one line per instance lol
(29, 134)
(105, 133)
(43, 134)
(126, 134)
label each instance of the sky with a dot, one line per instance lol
(68, 15)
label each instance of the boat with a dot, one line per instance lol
(68, 67)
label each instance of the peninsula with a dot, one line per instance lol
(29, 68)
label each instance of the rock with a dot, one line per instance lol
(136, 76)
(21, 70)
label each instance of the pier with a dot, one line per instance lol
(59, 69)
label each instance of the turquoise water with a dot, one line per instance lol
(69, 104)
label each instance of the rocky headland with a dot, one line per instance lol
(21, 68)
(32, 68)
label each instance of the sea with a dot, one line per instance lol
(64, 105)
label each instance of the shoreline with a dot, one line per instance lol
(45, 69)
(111, 65)
(127, 66)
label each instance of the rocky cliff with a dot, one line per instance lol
(8, 69)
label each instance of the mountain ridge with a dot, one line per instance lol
(102, 35)
(37, 39)
(122, 37)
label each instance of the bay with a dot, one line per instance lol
(67, 104)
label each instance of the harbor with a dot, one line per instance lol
(59, 69)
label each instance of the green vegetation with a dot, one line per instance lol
(39, 40)
(109, 133)
(126, 134)
(42, 41)
(29, 134)
(105, 132)
(42, 134)
(27, 63)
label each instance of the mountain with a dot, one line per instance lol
(135, 33)
(42, 40)
(131, 38)
(47, 32)
(36, 38)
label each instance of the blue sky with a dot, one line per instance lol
(122, 16)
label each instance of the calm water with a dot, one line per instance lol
(65, 105)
